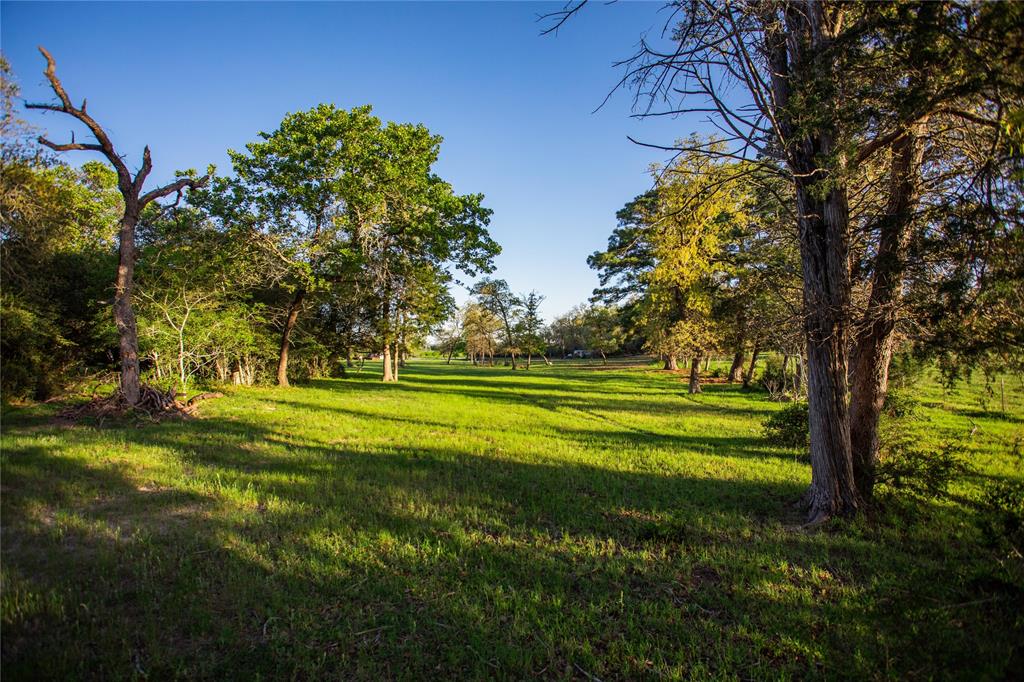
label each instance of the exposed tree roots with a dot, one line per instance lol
(154, 404)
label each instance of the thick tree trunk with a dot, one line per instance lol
(135, 201)
(286, 336)
(388, 375)
(749, 376)
(736, 370)
(798, 54)
(529, 360)
(826, 298)
(695, 373)
(124, 314)
(872, 353)
(671, 363)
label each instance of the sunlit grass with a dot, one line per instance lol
(478, 523)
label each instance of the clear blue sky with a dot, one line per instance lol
(195, 79)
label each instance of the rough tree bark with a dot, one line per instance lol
(695, 373)
(749, 376)
(826, 295)
(388, 376)
(286, 336)
(872, 352)
(671, 363)
(800, 54)
(135, 201)
(736, 370)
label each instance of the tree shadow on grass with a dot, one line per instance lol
(255, 555)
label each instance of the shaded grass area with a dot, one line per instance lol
(477, 523)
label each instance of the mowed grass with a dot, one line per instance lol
(475, 523)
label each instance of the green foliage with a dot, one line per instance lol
(602, 332)
(1002, 514)
(772, 378)
(31, 348)
(908, 468)
(900, 404)
(905, 370)
(789, 427)
(56, 263)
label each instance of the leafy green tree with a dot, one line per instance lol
(496, 296)
(567, 332)
(481, 329)
(291, 190)
(57, 259)
(602, 330)
(530, 328)
(840, 94)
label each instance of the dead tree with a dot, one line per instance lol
(135, 201)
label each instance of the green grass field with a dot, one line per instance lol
(475, 523)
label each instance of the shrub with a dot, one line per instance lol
(789, 427)
(905, 369)
(899, 404)
(772, 379)
(1002, 514)
(907, 469)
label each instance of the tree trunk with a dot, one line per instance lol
(707, 363)
(798, 374)
(604, 358)
(388, 376)
(529, 359)
(124, 315)
(695, 373)
(134, 202)
(286, 336)
(451, 351)
(348, 356)
(749, 376)
(826, 298)
(396, 359)
(671, 364)
(872, 353)
(548, 362)
(181, 359)
(797, 53)
(736, 370)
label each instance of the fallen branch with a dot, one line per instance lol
(153, 402)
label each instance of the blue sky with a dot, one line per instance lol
(195, 79)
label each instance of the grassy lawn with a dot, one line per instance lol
(467, 523)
